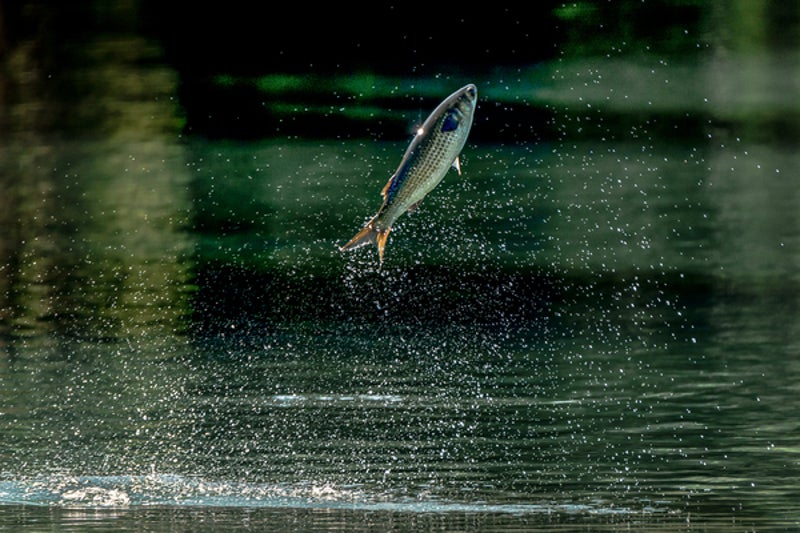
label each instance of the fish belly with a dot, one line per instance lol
(420, 175)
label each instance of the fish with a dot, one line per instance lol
(435, 148)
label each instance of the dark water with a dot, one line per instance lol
(595, 326)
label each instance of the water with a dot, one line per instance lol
(594, 327)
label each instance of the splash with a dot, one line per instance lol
(166, 489)
(124, 492)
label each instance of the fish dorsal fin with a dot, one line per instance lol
(457, 165)
(385, 190)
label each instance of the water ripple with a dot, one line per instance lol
(104, 492)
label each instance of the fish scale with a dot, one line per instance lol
(434, 149)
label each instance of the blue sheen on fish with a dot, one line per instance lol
(435, 148)
(450, 122)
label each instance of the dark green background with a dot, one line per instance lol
(596, 324)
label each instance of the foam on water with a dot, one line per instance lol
(109, 492)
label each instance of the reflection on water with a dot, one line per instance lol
(96, 245)
(621, 359)
(600, 326)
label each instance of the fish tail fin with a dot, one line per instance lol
(367, 235)
(381, 239)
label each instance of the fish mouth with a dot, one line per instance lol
(470, 91)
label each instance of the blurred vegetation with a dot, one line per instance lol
(79, 66)
(655, 26)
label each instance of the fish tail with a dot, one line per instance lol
(367, 235)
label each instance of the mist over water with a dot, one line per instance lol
(595, 323)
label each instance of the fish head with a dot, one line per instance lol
(458, 108)
(470, 92)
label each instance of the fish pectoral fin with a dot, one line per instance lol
(413, 207)
(385, 190)
(457, 165)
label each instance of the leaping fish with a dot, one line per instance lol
(434, 149)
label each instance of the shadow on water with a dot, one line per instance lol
(596, 324)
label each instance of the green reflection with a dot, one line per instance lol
(96, 264)
(93, 242)
(95, 245)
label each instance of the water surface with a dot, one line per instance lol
(596, 324)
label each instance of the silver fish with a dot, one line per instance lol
(434, 149)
